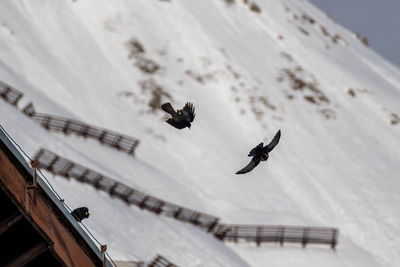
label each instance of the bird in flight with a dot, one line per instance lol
(260, 153)
(181, 118)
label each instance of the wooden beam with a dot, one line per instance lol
(28, 256)
(9, 221)
(54, 227)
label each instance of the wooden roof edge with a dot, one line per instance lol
(67, 219)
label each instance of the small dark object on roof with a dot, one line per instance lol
(80, 213)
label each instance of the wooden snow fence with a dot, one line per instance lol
(158, 261)
(130, 263)
(66, 168)
(121, 142)
(277, 234)
(10, 94)
(225, 232)
(124, 143)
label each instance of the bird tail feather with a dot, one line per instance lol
(168, 108)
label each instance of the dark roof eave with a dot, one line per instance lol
(67, 219)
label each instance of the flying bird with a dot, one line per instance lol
(180, 118)
(260, 153)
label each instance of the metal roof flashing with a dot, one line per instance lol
(57, 202)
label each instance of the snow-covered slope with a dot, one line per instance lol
(249, 74)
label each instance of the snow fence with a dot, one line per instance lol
(66, 168)
(226, 232)
(10, 94)
(116, 140)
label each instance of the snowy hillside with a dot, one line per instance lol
(249, 73)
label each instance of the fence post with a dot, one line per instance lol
(282, 237)
(116, 141)
(101, 137)
(142, 204)
(29, 110)
(305, 237)
(159, 207)
(65, 172)
(334, 241)
(194, 219)
(5, 93)
(85, 130)
(17, 99)
(236, 233)
(132, 150)
(112, 189)
(221, 233)
(177, 213)
(46, 122)
(127, 195)
(96, 184)
(50, 167)
(258, 236)
(212, 225)
(155, 261)
(82, 177)
(66, 125)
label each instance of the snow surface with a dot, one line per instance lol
(71, 58)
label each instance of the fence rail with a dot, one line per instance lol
(53, 123)
(10, 94)
(160, 261)
(66, 168)
(121, 142)
(277, 234)
(130, 263)
(225, 232)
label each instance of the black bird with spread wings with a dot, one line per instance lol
(182, 117)
(260, 153)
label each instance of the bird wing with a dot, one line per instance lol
(179, 124)
(253, 152)
(274, 141)
(253, 163)
(189, 109)
(168, 108)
